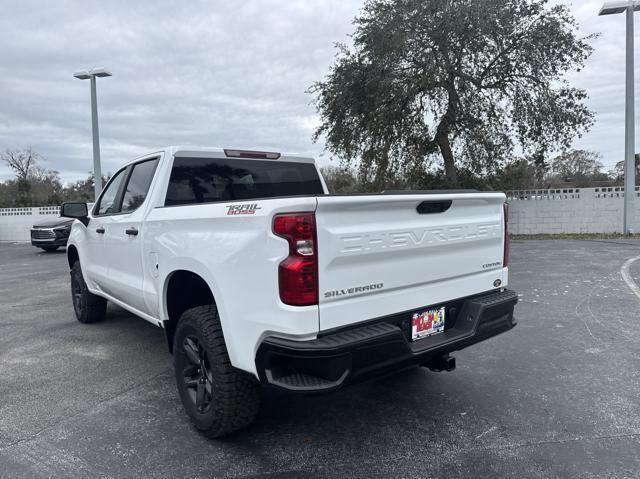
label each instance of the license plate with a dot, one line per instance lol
(427, 323)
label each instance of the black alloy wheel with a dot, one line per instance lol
(196, 374)
(88, 307)
(76, 293)
(218, 398)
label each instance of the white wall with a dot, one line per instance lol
(15, 223)
(577, 210)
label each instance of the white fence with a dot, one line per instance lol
(15, 223)
(570, 210)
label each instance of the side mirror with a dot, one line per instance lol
(75, 210)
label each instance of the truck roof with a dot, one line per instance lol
(216, 152)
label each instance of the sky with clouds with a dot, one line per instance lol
(229, 74)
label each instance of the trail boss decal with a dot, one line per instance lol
(246, 209)
(357, 289)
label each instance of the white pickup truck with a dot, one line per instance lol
(259, 277)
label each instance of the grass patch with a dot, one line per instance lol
(574, 236)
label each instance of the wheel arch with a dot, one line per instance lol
(183, 289)
(72, 255)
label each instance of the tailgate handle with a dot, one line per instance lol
(430, 207)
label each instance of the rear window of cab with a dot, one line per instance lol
(210, 180)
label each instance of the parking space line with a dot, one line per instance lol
(627, 276)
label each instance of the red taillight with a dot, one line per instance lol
(298, 273)
(505, 258)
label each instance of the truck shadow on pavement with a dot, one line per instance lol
(415, 399)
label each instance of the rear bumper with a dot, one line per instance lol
(380, 346)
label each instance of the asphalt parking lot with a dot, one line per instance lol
(559, 396)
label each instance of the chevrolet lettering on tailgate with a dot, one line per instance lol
(423, 237)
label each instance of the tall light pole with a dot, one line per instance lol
(91, 75)
(610, 8)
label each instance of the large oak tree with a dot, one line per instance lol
(470, 81)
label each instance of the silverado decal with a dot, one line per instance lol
(357, 289)
(246, 209)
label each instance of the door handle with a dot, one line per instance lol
(132, 231)
(431, 207)
(100, 230)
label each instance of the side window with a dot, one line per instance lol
(107, 202)
(138, 185)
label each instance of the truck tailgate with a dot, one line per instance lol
(385, 254)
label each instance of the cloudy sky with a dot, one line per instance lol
(230, 74)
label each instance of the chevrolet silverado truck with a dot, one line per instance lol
(261, 278)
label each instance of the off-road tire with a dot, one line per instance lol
(233, 396)
(88, 307)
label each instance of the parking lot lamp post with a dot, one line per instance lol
(91, 75)
(610, 8)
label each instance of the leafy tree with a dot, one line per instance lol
(83, 190)
(577, 163)
(618, 171)
(466, 79)
(519, 174)
(580, 167)
(340, 180)
(46, 187)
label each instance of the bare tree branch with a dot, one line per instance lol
(22, 162)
